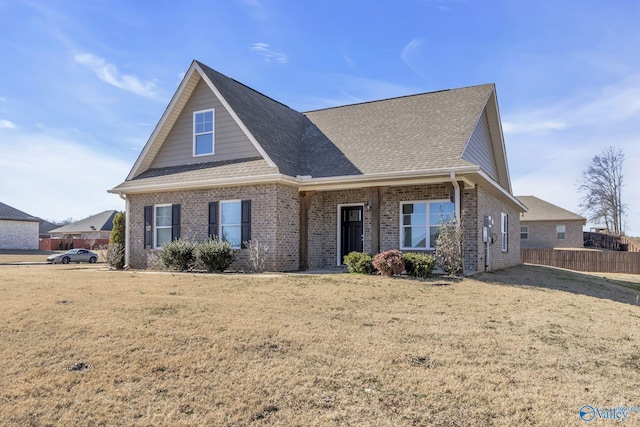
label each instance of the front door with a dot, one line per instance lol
(351, 230)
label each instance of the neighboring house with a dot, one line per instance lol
(95, 227)
(546, 225)
(226, 160)
(18, 230)
(45, 228)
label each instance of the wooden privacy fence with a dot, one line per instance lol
(591, 261)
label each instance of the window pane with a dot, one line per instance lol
(231, 234)
(231, 213)
(163, 235)
(204, 144)
(204, 122)
(434, 232)
(415, 237)
(163, 216)
(440, 212)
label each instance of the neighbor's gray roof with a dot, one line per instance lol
(13, 214)
(539, 210)
(100, 222)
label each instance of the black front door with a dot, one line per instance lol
(351, 229)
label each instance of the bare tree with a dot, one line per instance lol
(601, 184)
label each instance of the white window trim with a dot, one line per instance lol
(504, 232)
(339, 228)
(428, 225)
(524, 232)
(220, 224)
(213, 132)
(155, 223)
(564, 227)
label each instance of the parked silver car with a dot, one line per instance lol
(74, 255)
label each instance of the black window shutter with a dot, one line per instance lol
(213, 219)
(245, 230)
(148, 229)
(175, 222)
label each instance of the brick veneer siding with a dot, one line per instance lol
(488, 204)
(323, 221)
(22, 235)
(274, 222)
(542, 234)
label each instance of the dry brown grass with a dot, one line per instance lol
(505, 349)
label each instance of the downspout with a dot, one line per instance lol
(127, 233)
(456, 196)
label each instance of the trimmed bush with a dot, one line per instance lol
(389, 262)
(419, 265)
(258, 253)
(178, 254)
(117, 238)
(215, 255)
(359, 262)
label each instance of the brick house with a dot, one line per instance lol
(546, 225)
(226, 160)
(18, 230)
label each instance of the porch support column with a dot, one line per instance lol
(375, 200)
(305, 203)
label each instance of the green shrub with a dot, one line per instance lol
(419, 265)
(359, 262)
(178, 254)
(215, 255)
(389, 262)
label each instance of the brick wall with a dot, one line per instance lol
(21, 235)
(273, 210)
(489, 204)
(542, 234)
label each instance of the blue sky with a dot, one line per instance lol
(83, 83)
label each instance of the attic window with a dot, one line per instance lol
(203, 132)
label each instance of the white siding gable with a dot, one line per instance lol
(230, 142)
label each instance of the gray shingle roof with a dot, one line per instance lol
(540, 210)
(418, 132)
(99, 222)
(411, 133)
(200, 172)
(9, 213)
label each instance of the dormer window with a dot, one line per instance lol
(203, 132)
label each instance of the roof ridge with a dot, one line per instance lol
(394, 98)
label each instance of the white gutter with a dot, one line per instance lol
(305, 183)
(456, 197)
(127, 230)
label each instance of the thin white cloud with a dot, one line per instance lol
(269, 55)
(531, 126)
(6, 124)
(82, 174)
(256, 9)
(109, 73)
(410, 55)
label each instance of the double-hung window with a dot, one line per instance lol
(231, 222)
(561, 232)
(504, 231)
(203, 132)
(420, 223)
(524, 232)
(162, 224)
